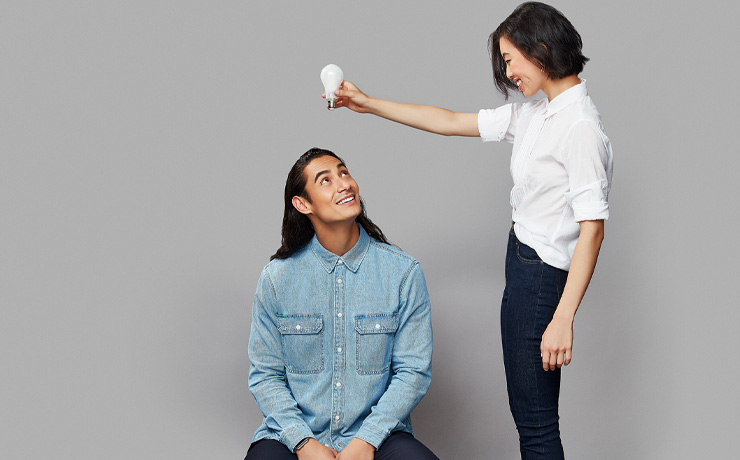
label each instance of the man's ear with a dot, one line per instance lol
(301, 205)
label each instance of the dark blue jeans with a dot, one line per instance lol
(532, 293)
(398, 446)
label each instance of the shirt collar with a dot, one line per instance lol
(566, 98)
(352, 258)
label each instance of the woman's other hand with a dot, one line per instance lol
(557, 343)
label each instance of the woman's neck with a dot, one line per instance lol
(553, 88)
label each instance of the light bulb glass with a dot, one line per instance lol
(331, 76)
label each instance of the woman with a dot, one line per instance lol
(562, 168)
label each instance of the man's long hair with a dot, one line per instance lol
(297, 229)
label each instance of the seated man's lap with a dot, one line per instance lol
(269, 449)
(398, 446)
(403, 446)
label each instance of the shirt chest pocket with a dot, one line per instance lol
(302, 337)
(375, 337)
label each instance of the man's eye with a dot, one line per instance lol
(323, 181)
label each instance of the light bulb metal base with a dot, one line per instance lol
(331, 104)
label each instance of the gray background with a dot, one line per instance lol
(143, 151)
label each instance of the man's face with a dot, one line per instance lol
(334, 195)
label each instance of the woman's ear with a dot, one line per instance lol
(301, 205)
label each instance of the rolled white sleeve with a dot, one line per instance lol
(587, 161)
(590, 202)
(498, 124)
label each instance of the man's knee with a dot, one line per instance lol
(269, 449)
(403, 446)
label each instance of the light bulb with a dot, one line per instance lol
(331, 77)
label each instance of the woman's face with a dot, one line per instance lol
(527, 75)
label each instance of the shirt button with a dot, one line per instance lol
(298, 327)
(339, 281)
(336, 417)
(339, 261)
(377, 326)
(339, 384)
(339, 350)
(339, 314)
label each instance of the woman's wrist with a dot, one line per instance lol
(565, 313)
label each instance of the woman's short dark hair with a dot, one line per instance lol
(530, 26)
(297, 228)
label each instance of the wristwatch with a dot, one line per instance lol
(301, 444)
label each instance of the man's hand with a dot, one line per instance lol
(314, 450)
(357, 449)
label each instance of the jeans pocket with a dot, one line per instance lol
(302, 338)
(375, 336)
(526, 254)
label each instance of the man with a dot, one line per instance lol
(341, 337)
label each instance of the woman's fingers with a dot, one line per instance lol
(555, 359)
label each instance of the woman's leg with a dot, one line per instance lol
(532, 293)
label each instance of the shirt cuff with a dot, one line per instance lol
(292, 435)
(591, 211)
(493, 123)
(372, 434)
(590, 202)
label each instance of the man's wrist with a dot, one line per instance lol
(302, 443)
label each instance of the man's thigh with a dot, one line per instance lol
(269, 449)
(403, 446)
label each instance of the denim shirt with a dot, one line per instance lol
(340, 346)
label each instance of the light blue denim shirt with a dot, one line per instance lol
(340, 346)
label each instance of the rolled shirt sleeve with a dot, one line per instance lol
(587, 164)
(498, 124)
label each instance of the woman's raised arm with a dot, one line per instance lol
(425, 117)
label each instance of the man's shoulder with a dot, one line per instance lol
(277, 267)
(392, 253)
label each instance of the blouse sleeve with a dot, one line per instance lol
(588, 162)
(498, 124)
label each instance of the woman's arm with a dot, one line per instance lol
(425, 117)
(557, 341)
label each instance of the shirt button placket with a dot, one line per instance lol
(340, 302)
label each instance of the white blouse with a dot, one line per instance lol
(561, 165)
